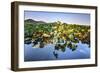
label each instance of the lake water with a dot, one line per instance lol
(49, 53)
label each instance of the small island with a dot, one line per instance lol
(61, 34)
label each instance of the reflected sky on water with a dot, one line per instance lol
(48, 52)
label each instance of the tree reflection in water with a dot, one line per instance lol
(60, 44)
(60, 34)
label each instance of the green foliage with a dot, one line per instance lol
(58, 33)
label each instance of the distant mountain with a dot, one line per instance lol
(34, 21)
(40, 22)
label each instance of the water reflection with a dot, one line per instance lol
(55, 52)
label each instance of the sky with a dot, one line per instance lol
(70, 18)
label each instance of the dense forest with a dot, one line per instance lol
(58, 33)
